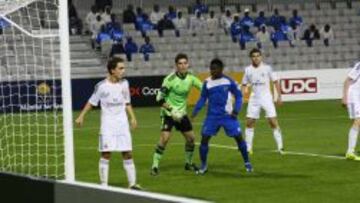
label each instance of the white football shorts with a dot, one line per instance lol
(116, 142)
(354, 110)
(255, 106)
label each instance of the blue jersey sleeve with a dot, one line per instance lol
(238, 97)
(202, 100)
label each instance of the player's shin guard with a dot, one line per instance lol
(278, 138)
(129, 167)
(159, 150)
(249, 136)
(103, 171)
(353, 136)
(243, 149)
(189, 152)
(203, 149)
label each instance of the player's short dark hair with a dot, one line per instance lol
(254, 50)
(216, 63)
(112, 63)
(181, 56)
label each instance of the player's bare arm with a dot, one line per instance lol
(133, 121)
(278, 90)
(80, 119)
(345, 91)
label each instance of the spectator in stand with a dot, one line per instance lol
(293, 34)
(295, 19)
(247, 20)
(147, 48)
(75, 23)
(226, 21)
(117, 48)
(145, 25)
(102, 4)
(260, 20)
(171, 13)
(139, 18)
(129, 15)
(245, 36)
(130, 48)
(102, 36)
(106, 15)
(156, 15)
(165, 24)
(180, 24)
(91, 18)
(197, 24)
(95, 29)
(212, 23)
(235, 29)
(200, 7)
(262, 36)
(274, 20)
(310, 34)
(114, 28)
(327, 34)
(277, 36)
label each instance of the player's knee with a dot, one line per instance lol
(106, 155)
(159, 149)
(189, 147)
(356, 123)
(127, 155)
(204, 140)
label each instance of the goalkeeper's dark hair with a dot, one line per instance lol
(181, 56)
(216, 63)
(254, 50)
(112, 63)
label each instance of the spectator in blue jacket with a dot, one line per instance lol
(139, 18)
(200, 7)
(277, 36)
(103, 35)
(235, 29)
(130, 48)
(145, 25)
(247, 20)
(245, 36)
(114, 28)
(260, 20)
(147, 48)
(295, 19)
(171, 13)
(275, 19)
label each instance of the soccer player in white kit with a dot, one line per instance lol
(351, 99)
(258, 75)
(114, 97)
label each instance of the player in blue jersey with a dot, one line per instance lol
(219, 91)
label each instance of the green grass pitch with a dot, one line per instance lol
(311, 127)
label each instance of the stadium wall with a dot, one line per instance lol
(23, 189)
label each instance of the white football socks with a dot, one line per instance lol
(129, 167)
(249, 136)
(353, 136)
(104, 171)
(278, 138)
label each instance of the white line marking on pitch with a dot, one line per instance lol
(286, 152)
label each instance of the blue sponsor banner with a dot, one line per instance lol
(143, 90)
(30, 96)
(24, 96)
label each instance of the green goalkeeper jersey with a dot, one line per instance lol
(175, 90)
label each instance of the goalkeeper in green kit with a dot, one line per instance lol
(173, 99)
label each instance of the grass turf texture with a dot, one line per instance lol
(319, 127)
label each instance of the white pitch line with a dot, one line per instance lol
(200, 123)
(286, 152)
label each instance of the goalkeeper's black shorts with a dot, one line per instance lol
(167, 123)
